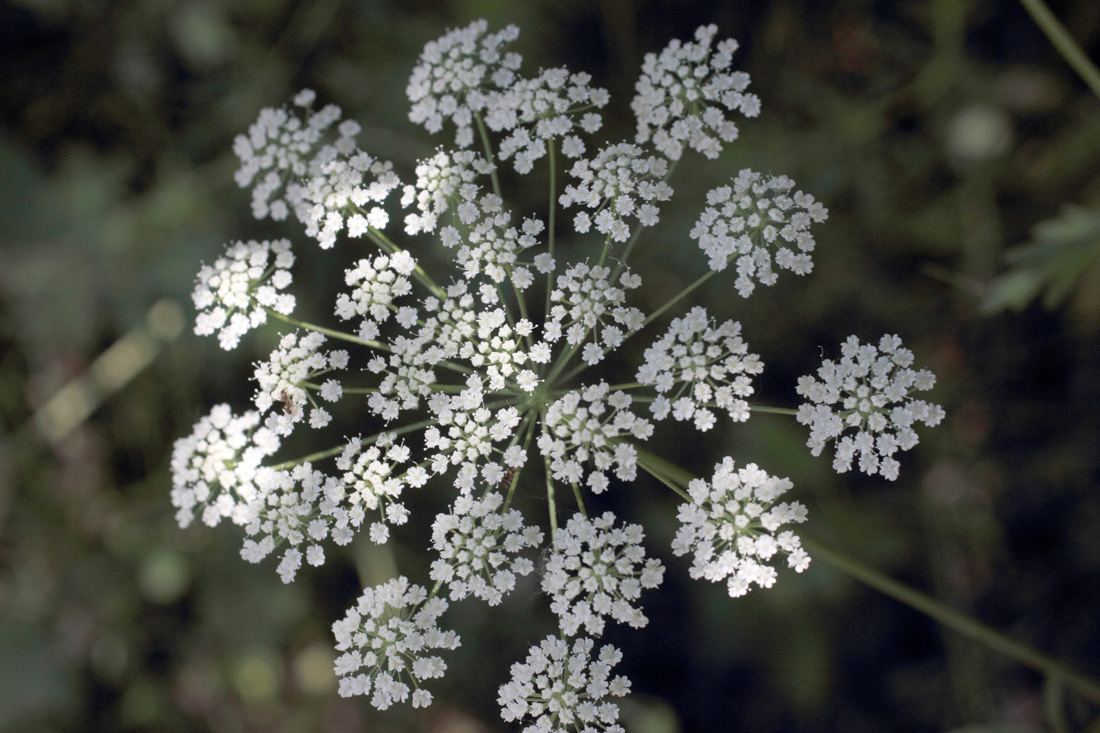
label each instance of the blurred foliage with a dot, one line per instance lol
(939, 134)
(1062, 253)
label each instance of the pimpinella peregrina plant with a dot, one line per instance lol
(482, 377)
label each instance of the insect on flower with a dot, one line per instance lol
(289, 408)
(509, 476)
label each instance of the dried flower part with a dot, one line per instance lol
(863, 404)
(731, 528)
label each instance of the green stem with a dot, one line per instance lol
(580, 501)
(419, 273)
(488, 153)
(551, 216)
(773, 410)
(563, 359)
(522, 303)
(954, 619)
(622, 259)
(668, 469)
(950, 617)
(453, 366)
(552, 506)
(319, 455)
(1065, 44)
(658, 468)
(530, 431)
(327, 331)
(672, 301)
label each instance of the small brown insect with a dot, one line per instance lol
(289, 408)
(506, 482)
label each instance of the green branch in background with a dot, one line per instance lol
(954, 619)
(964, 624)
(1065, 44)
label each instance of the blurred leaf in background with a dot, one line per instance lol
(1057, 263)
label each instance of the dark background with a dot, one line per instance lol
(939, 135)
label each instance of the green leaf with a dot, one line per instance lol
(1051, 265)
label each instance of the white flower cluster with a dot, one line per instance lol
(445, 183)
(596, 571)
(867, 394)
(452, 330)
(386, 639)
(478, 375)
(479, 545)
(232, 294)
(456, 74)
(620, 182)
(684, 94)
(466, 436)
(284, 378)
(493, 247)
(280, 149)
(534, 111)
(562, 687)
(339, 194)
(749, 219)
(370, 482)
(215, 466)
(584, 301)
(592, 425)
(711, 364)
(375, 284)
(731, 527)
(292, 507)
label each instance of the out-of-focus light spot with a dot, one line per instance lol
(113, 369)
(109, 655)
(163, 577)
(165, 319)
(979, 132)
(141, 703)
(313, 670)
(123, 360)
(256, 677)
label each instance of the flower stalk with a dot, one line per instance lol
(678, 478)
